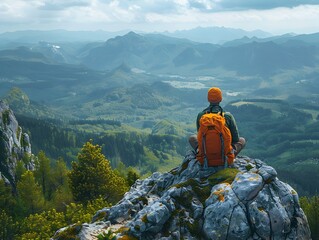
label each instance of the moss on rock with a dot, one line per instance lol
(226, 175)
(69, 233)
(202, 189)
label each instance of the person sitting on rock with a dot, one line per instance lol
(237, 143)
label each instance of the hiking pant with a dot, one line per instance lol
(238, 146)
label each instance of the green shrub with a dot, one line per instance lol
(311, 209)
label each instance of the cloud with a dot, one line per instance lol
(243, 5)
(149, 6)
(301, 19)
(177, 6)
(158, 15)
(230, 5)
(54, 5)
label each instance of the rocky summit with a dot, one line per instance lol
(14, 145)
(246, 201)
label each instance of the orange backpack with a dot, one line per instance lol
(214, 141)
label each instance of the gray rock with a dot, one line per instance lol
(245, 202)
(259, 217)
(239, 227)
(197, 208)
(247, 185)
(268, 173)
(14, 145)
(219, 208)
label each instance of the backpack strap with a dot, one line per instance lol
(204, 148)
(224, 157)
(221, 111)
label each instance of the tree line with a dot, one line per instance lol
(120, 146)
(53, 196)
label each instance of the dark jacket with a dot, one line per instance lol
(230, 120)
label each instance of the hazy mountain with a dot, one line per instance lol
(209, 35)
(216, 35)
(160, 54)
(34, 36)
(141, 51)
(42, 79)
(264, 58)
(305, 39)
(23, 53)
(20, 103)
(168, 54)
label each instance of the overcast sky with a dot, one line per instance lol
(274, 16)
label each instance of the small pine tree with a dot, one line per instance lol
(42, 173)
(30, 197)
(7, 226)
(132, 176)
(7, 200)
(20, 170)
(92, 177)
(59, 174)
(60, 193)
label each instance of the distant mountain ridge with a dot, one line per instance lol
(166, 55)
(312, 39)
(151, 52)
(199, 34)
(159, 53)
(34, 36)
(216, 35)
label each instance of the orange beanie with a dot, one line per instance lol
(214, 95)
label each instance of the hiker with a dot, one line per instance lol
(202, 143)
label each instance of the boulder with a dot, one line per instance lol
(246, 201)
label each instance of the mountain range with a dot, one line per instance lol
(261, 62)
(162, 54)
(216, 35)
